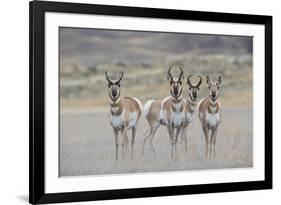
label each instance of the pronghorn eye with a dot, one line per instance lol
(180, 82)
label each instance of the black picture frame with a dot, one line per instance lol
(37, 9)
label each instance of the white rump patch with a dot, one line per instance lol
(162, 111)
(146, 107)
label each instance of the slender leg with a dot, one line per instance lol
(213, 141)
(185, 139)
(185, 144)
(133, 141)
(183, 133)
(146, 138)
(115, 131)
(211, 147)
(205, 130)
(172, 150)
(169, 128)
(215, 146)
(178, 131)
(143, 144)
(123, 151)
(151, 137)
(209, 143)
(171, 136)
(124, 135)
(126, 142)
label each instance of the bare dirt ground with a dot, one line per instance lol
(87, 146)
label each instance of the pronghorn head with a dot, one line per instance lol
(193, 90)
(175, 83)
(213, 88)
(114, 87)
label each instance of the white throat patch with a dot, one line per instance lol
(177, 106)
(114, 109)
(213, 108)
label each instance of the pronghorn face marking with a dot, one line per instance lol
(175, 83)
(114, 87)
(213, 88)
(193, 90)
(175, 87)
(114, 90)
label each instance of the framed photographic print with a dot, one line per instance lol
(140, 102)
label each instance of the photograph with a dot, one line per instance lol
(132, 102)
(148, 101)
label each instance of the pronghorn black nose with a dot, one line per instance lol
(114, 93)
(176, 91)
(213, 95)
(194, 95)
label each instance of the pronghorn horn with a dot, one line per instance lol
(208, 80)
(121, 76)
(219, 80)
(107, 78)
(170, 77)
(188, 81)
(200, 81)
(181, 74)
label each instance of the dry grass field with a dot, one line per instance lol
(87, 146)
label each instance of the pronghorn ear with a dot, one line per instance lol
(109, 84)
(207, 80)
(219, 80)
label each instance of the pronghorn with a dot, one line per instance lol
(209, 110)
(190, 107)
(151, 111)
(173, 110)
(124, 113)
(169, 112)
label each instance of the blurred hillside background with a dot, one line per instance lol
(85, 54)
